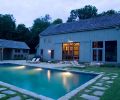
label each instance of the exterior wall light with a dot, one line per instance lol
(70, 41)
(49, 51)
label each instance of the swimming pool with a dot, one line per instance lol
(47, 82)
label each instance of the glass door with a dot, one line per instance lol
(97, 54)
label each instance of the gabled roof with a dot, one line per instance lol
(13, 44)
(101, 22)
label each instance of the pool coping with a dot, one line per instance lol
(66, 96)
(75, 91)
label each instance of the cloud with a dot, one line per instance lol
(25, 11)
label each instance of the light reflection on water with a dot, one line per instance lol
(48, 74)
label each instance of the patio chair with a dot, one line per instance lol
(37, 60)
(31, 61)
(76, 64)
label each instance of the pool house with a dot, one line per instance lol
(13, 50)
(90, 40)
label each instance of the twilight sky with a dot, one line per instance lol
(25, 11)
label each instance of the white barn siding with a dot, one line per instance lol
(84, 38)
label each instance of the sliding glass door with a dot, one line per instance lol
(70, 51)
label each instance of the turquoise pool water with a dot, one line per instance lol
(50, 83)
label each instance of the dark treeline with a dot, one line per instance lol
(9, 29)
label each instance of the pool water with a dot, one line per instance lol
(46, 82)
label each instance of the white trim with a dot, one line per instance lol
(75, 91)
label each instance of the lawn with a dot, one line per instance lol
(113, 92)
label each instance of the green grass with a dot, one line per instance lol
(113, 93)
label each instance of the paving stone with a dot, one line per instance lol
(99, 84)
(107, 86)
(102, 72)
(89, 97)
(114, 73)
(87, 90)
(98, 93)
(106, 78)
(15, 98)
(101, 81)
(110, 82)
(8, 92)
(99, 88)
(2, 95)
(114, 76)
(1, 89)
(25, 96)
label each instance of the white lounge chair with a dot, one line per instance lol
(37, 60)
(31, 61)
(76, 64)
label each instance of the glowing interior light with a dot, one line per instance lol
(20, 67)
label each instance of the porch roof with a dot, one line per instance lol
(13, 44)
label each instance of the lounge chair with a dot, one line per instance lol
(37, 60)
(76, 64)
(34, 60)
(31, 61)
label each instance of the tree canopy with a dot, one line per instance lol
(57, 21)
(7, 26)
(86, 12)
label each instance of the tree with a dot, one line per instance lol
(7, 26)
(57, 21)
(73, 16)
(22, 33)
(87, 12)
(84, 13)
(109, 12)
(39, 25)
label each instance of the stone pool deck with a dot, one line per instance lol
(41, 64)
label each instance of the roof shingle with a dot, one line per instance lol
(83, 25)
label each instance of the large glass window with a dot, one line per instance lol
(97, 44)
(70, 51)
(111, 51)
(52, 54)
(41, 52)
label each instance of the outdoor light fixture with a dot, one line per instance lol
(49, 51)
(19, 67)
(70, 41)
(38, 69)
(66, 74)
